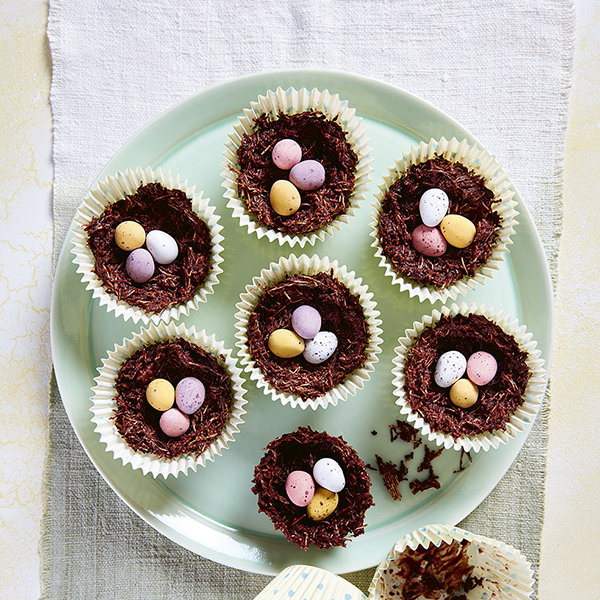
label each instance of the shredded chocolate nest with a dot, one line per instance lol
(154, 207)
(341, 313)
(320, 139)
(300, 451)
(137, 421)
(497, 401)
(400, 215)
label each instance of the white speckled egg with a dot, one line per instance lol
(428, 241)
(189, 395)
(433, 206)
(284, 198)
(140, 265)
(464, 393)
(306, 321)
(299, 487)
(130, 235)
(160, 394)
(481, 367)
(174, 423)
(458, 230)
(162, 246)
(450, 367)
(323, 503)
(308, 175)
(320, 348)
(329, 475)
(285, 343)
(286, 153)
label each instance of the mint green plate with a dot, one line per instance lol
(213, 512)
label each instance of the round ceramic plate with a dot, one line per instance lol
(213, 512)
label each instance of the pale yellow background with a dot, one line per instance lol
(570, 545)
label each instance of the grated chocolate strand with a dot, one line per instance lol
(393, 475)
(320, 139)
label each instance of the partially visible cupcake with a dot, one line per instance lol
(296, 165)
(314, 488)
(168, 399)
(308, 331)
(444, 216)
(468, 378)
(147, 245)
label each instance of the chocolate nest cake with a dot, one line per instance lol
(321, 139)
(154, 207)
(138, 422)
(399, 216)
(300, 451)
(341, 313)
(497, 400)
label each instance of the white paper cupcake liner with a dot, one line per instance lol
(116, 188)
(293, 101)
(105, 394)
(522, 417)
(481, 163)
(304, 264)
(505, 572)
(310, 583)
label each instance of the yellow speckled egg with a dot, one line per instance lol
(285, 343)
(458, 230)
(323, 503)
(284, 198)
(130, 235)
(464, 393)
(160, 394)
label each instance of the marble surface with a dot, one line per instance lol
(569, 555)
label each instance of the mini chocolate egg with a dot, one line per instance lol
(189, 395)
(320, 348)
(481, 367)
(300, 488)
(323, 503)
(285, 198)
(450, 367)
(464, 393)
(306, 321)
(162, 246)
(286, 153)
(140, 265)
(433, 206)
(428, 241)
(329, 475)
(174, 423)
(285, 343)
(160, 394)
(129, 235)
(308, 175)
(458, 230)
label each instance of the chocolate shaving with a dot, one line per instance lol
(393, 475)
(406, 432)
(462, 466)
(429, 456)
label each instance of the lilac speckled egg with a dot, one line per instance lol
(162, 246)
(300, 488)
(450, 367)
(308, 175)
(320, 348)
(329, 475)
(189, 395)
(174, 423)
(428, 241)
(140, 265)
(286, 153)
(306, 321)
(433, 206)
(481, 367)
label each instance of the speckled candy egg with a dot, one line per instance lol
(464, 393)
(286, 153)
(481, 367)
(299, 487)
(306, 321)
(284, 198)
(285, 343)
(160, 394)
(174, 423)
(140, 265)
(129, 235)
(320, 348)
(308, 175)
(189, 395)
(450, 367)
(458, 230)
(323, 503)
(428, 241)
(329, 475)
(162, 246)
(433, 206)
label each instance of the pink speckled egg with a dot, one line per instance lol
(286, 153)
(481, 367)
(174, 423)
(428, 241)
(300, 488)
(450, 367)
(306, 321)
(189, 395)
(308, 175)
(140, 265)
